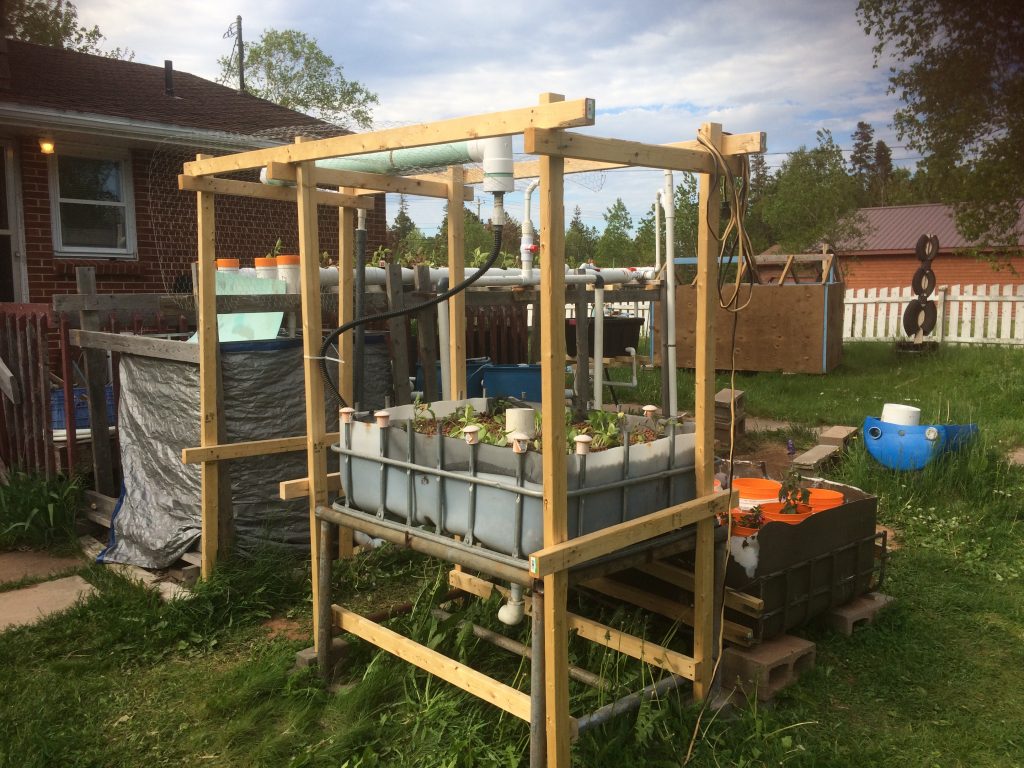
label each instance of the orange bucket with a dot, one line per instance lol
(824, 498)
(228, 263)
(773, 513)
(737, 529)
(756, 491)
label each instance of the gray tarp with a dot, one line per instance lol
(158, 516)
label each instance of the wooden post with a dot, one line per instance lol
(556, 528)
(216, 487)
(346, 309)
(312, 334)
(398, 328)
(704, 411)
(96, 377)
(456, 271)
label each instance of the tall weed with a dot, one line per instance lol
(38, 513)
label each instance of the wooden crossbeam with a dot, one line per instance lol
(738, 144)
(567, 114)
(267, 191)
(247, 448)
(542, 141)
(561, 557)
(623, 642)
(499, 694)
(145, 346)
(370, 183)
(299, 488)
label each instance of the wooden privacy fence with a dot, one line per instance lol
(26, 442)
(968, 314)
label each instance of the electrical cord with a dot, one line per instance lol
(334, 335)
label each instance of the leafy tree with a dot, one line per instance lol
(762, 184)
(959, 73)
(813, 199)
(862, 158)
(288, 68)
(615, 246)
(580, 240)
(55, 23)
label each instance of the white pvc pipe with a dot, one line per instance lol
(443, 333)
(657, 231)
(529, 235)
(668, 200)
(598, 347)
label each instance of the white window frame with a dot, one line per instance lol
(98, 153)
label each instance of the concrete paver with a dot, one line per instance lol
(15, 566)
(28, 605)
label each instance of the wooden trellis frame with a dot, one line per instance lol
(560, 152)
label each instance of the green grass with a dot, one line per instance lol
(124, 680)
(38, 514)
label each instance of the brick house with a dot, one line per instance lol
(886, 257)
(90, 150)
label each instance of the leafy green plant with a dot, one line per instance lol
(275, 250)
(793, 493)
(38, 513)
(752, 518)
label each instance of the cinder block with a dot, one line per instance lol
(766, 669)
(725, 396)
(307, 656)
(816, 457)
(837, 436)
(858, 612)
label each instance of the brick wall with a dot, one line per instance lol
(897, 271)
(165, 222)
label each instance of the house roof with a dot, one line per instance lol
(896, 228)
(56, 79)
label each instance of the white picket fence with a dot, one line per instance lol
(968, 314)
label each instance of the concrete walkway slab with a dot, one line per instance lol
(15, 566)
(28, 605)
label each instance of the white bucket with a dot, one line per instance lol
(288, 270)
(904, 415)
(746, 505)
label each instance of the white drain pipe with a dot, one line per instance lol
(668, 201)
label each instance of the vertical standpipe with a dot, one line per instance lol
(668, 200)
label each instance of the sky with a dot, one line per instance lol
(657, 69)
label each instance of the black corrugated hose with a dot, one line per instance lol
(337, 332)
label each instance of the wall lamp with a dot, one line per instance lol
(46, 146)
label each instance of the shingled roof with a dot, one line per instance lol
(83, 83)
(895, 229)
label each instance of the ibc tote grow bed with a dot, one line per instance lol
(546, 572)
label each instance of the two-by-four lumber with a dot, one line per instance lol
(554, 503)
(316, 423)
(299, 488)
(215, 487)
(397, 328)
(561, 557)
(623, 642)
(370, 183)
(567, 114)
(347, 304)
(267, 191)
(144, 346)
(708, 245)
(456, 273)
(541, 141)
(499, 694)
(680, 577)
(247, 448)
(738, 144)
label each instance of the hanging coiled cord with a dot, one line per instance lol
(441, 297)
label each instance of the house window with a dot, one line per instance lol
(91, 204)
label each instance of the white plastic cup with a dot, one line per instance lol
(519, 420)
(904, 415)
(288, 270)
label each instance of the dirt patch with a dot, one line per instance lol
(289, 629)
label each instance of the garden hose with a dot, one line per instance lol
(337, 332)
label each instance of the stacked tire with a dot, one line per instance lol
(921, 313)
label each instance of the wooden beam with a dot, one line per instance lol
(299, 488)
(582, 549)
(371, 183)
(555, 506)
(346, 302)
(163, 349)
(9, 384)
(212, 476)
(569, 114)
(503, 696)
(623, 642)
(456, 273)
(739, 144)
(316, 426)
(679, 577)
(267, 191)
(247, 448)
(96, 378)
(541, 141)
(708, 245)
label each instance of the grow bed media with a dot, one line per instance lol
(489, 495)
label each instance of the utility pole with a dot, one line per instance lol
(235, 30)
